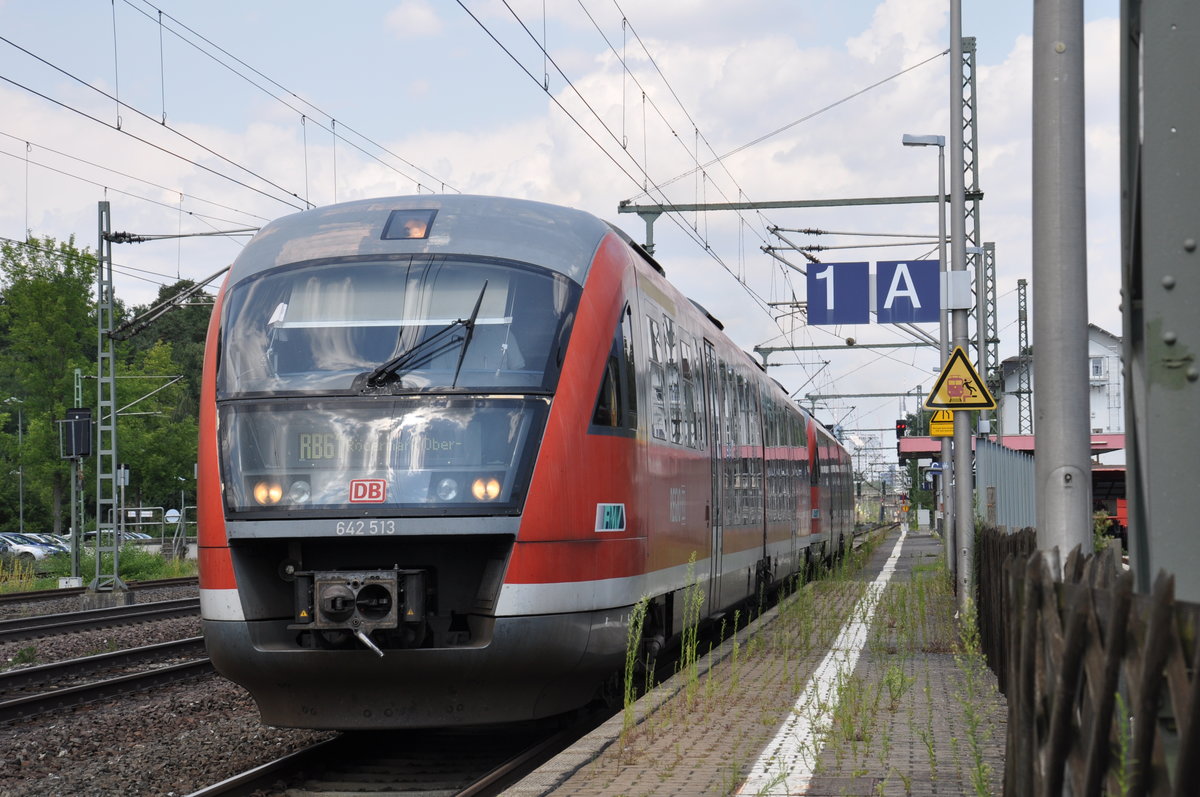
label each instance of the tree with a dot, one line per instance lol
(156, 437)
(184, 328)
(47, 330)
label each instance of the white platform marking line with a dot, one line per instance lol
(786, 764)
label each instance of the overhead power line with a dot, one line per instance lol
(147, 142)
(802, 119)
(332, 129)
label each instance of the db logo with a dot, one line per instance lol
(367, 491)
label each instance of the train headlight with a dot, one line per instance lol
(268, 493)
(485, 489)
(299, 492)
(447, 490)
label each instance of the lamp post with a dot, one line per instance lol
(945, 495)
(20, 460)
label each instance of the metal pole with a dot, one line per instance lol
(1064, 479)
(964, 520)
(20, 470)
(944, 339)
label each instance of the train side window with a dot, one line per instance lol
(630, 366)
(616, 405)
(690, 415)
(658, 399)
(674, 390)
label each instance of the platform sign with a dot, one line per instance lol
(839, 293)
(959, 387)
(907, 291)
(942, 424)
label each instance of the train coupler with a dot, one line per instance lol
(359, 602)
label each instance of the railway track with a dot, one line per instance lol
(45, 595)
(22, 628)
(467, 763)
(49, 687)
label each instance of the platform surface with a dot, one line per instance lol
(857, 684)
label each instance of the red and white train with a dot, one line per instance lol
(447, 444)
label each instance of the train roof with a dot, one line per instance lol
(554, 237)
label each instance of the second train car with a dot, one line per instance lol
(447, 444)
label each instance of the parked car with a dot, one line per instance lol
(7, 555)
(89, 537)
(24, 547)
(50, 541)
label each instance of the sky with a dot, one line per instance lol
(232, 113)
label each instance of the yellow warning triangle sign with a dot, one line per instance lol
(959, 387)
(941, 424)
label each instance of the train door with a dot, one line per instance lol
(820, 523)
(716, 437)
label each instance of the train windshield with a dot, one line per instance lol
(417, 453)
(449, 322)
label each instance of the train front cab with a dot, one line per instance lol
(665, 463)
(491, 616)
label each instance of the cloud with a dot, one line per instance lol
(461, 109)
(413, 19)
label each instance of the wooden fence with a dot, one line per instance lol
(1102, 690)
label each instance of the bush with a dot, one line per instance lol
(138, 563)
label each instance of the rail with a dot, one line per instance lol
(69, 592)
(21, 628)
(53, 695)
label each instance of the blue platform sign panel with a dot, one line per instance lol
(907, 291)
(839, 293)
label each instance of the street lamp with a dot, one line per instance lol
(20, 460)
(910, 140)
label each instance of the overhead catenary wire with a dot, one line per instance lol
(689, 231)
(801, 120)
(72, 175)
(147, 142)
(332, 129)
(685, 228)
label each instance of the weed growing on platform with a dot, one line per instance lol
(736, 659)
(971, 664)
(897, 684)
(732, 777)
(778, 779)
(633, 652)
(853, 708)
(926, 733)
(1124, 762)
(693, 603)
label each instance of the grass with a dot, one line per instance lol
(971, 664)
(693, 605)
(26, 655)
(633, 652)
(138, 563)
(18, 576)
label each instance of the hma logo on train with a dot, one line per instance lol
(610, 517)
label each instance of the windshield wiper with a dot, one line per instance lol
(424, 351)
(413, 357)
(470, 325)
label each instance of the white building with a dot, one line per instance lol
(1106, 391)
